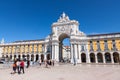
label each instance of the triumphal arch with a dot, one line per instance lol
(66, 28)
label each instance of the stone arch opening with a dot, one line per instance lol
(19, 57)
(48, 56)
(6, 56)
(28, 56)
(10, 56)
(107, 57)
(14, 57)
(116, 57)
(23, 56)
(100, 57)
(32, 57)
(37, 57)
(63, 49)
(92, 57)
(83, 57)
(42, 57)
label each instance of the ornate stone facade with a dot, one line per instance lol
(98, 48)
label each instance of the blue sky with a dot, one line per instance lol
(32, 19)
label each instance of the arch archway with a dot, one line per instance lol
(66, 28)
(92, 57)
(107, 57)
(14, 57)
(116, 57)
(42, 57)
(62, 51)
(28, 56)
(32, 57)
(83, 57)
(19, 57)
(10, 56)
(6, 56)
(100, 57)
(48, 56)
(37, 57)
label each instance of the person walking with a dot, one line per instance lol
(18, 66)
(28, 63)
(22, 66)
(14, 67)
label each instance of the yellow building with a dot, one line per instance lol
(26, 49)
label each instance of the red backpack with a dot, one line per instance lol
(22, 64)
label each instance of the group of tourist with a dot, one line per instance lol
(18, 65)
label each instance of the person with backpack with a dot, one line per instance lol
(14, 68)
(22, 66)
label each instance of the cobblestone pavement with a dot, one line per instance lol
(64, 72)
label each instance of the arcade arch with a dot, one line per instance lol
(100, 57)
(62, 37)
(83, 58)
(107, 57)
(116, 57)
(37, 57)
(48, 56)
(92, 57)
(42, 57)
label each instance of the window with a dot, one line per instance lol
(91, 46)
(82, 48)
(114, 45)
(106, 45)
(98, 46)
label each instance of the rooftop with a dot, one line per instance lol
(92, 35)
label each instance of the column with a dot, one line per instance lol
(88, 57)
(96, 58)
(37, 48)
(34, 57)
(75, 53)
(45, 56)
(28, 48)
(39, 56)
(53, 55)
(30, 57)
(32, 48)
(104, 60)
(71, 53)
(79, 49)
(112, 61)
(45, 48)
(87, 54)
(12, 56)
(56, 53)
